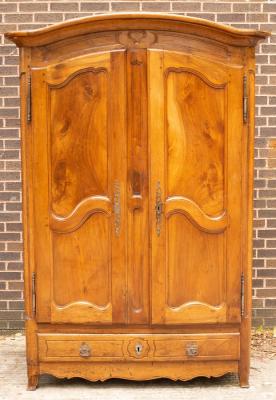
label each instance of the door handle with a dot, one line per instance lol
(85, 350)
(117, 208)
(158, 208)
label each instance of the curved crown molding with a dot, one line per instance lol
(136, 21)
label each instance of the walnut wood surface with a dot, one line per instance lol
(121, 21)
(128, 109)
(168, 347)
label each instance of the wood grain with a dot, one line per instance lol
(138, 238)
(140, 21)
(82, 256)
(154, 347)
(197, 167)
(78, 139)
(128, 109)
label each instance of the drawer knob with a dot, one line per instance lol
(85, 350)
(192, 349)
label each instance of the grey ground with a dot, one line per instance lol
(13, 383)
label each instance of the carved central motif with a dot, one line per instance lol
(138, 39)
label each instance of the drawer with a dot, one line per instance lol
(145, 347)
(203, 347)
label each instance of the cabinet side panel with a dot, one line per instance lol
(247, 224)
(27, 217)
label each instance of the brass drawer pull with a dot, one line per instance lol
(85, 350)
(192, 349)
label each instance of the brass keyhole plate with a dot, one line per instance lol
(138, 348)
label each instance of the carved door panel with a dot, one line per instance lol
(79, 177)
(195, 126)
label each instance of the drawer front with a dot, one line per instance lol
(157, 347)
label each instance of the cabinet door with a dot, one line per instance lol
(195, 127)
(79, 181)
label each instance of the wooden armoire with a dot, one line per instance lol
(137, 149)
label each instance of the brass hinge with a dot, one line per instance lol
(245, 100)
(33, 293)
(29, 99)
(242, 294)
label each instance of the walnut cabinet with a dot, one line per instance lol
(137, 149)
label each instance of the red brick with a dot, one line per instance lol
(266, 293)
(271, 263)
(10, 295)
(8, 7)
(217, 7)
(260, 17)
(266, 273)
(210, 16)
(16, 305)
(125, 6)
(270, 283)
(258, 283)
(245, 7)
(269, 7)
(8, 256)
(47, 17)
(10, 315)
(99, 7)
(186, 6)
(15, 266)
(4, 325)
(32, 7)
(14, 227)
(19, 17)
(231, 17)
(10, 276)
(267, 233)
(3, 305)
(265, 312)
(270, 303)
(156, 6)
(68, 6)
(257, 303)
(16, 324)
(15, 286)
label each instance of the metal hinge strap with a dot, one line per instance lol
(33, 293)
(29, 99)
(242, 294)
(245, 100)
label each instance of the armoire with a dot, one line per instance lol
(137, 157)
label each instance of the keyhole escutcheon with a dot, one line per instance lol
(138, 348)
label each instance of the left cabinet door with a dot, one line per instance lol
(78, 187)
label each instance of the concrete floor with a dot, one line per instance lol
(13, 383)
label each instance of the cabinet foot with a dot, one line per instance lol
(32, 382)
(244, 381)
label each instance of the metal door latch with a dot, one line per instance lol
(158, 208)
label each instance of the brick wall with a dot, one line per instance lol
(24, 14)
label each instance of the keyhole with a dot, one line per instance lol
(138, 348)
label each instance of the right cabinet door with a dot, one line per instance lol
(195, 132)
